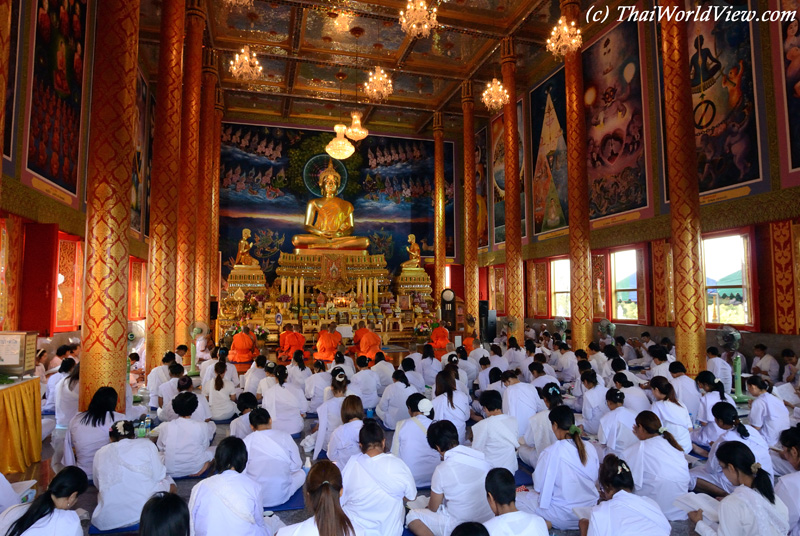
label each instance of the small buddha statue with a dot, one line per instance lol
(413, 253)
(243, 257)
(329, 219)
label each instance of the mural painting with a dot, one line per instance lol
(498, 178)
(481, 187)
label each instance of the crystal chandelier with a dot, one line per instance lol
(339, 147)
(379, 85)
(417, 21)
(495, 95)
(245, 66)
(564, 38)
(355, 131)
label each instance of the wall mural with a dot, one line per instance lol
(269, 173)
(615, 123)
(57, 97)
(548, 143)
(148, 167)
(11, 86)
(786, 51)
(722, 77)
(498, 178)
(139, 138)
(481, 186)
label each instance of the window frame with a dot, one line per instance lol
(132, 259)
(550, 284)
(641, 248)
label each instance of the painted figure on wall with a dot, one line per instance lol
(481, 186)
(790, 34)
(499, 174)
(137, 168)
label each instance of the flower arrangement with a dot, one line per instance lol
(261, 333)
(284, 298)
(423, 329)
(234, 329)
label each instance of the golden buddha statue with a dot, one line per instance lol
(243, 257)
(413, 253)
(329, 219)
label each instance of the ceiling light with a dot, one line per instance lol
(379, 85)
(339, 147)
(355, 131)
(417, 21)
(245, 66)
(238, 4)
(495, 95)
(564, 38)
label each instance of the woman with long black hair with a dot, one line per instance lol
(451, 404)
(88, 431)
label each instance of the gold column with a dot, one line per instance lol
(190, 156)
(515, 282)
(5, 50)
(208, 123)
(108, 209)
(470, 230)
(580, 259)
(684, 191)
(302, 287)
(439, 238)
(214, 246)
(164, 186)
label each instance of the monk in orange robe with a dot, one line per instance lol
(327, 344)
(467, 341)
(289, 342)
(360, 332)
(370, 344)
(332, 330)
(440, 337)
(243, 350)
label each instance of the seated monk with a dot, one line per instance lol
(370, 344)
(467, 341)
(289, 342)
(336, 335)
(362, 329)
(243, 350)
(327, 344)
(440, 337)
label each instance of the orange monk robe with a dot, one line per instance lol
(467, 343)
(289, 343)
(440, 337)
(327, 344)
(243, 351)
(370, 344)
(336, 335)
(357, 340)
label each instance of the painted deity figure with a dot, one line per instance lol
(329, 219)
(243, 257)
(413, 253)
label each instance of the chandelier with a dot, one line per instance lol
(245, 66)
(379, 85)
(495, 95)
(339, 147)
(355, 131)
(242, 4)
(564, 38)
(417, 21)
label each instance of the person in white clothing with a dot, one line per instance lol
(566, 364)
(520, 400)
(597, 357)
(384, 370)
(625, 350)
(496, 358)
(414, 378)
(539, 433)
(752, 509)
(268, 381)
(713, 392)
(496, 435)
(643, 346)
(508, 521)
(366, 383)
(788, 487)
(8, 497)
(286, 403)
(315, 385)
(635, 398)
(221, 394)
(51, 512)
(255, 374)
(184, 442)
(451, 404)
(230, 372)
(790, 374)
(298, 371)
(273, 460)
(457, 486)
(719, 367)
(169, 389)
(392, 407)
(685, 388)
(538, 376)
(240, 426)
(330, 412)
(322, 490)
(768, 414)
(158, 376)
(621, 513)
(658, 465)
(470, 369)
(669, 347)
(375, 484)
(88, 431)
(49, 404)
(67, 395)
(709, 478)
(515, 356)
(459, 374)
(765, 365)
(410, 442)
(430, 366)
(344, 439)
(477, 351)
(616, 427)
(671, 412)
(660, 365)
(228, 502)
(565, 475)
(210, 362)
(201, 414)
(126, 473)
(594, 402)
(343, 362)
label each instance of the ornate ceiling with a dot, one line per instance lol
(302, 44)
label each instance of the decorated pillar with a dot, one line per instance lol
(108, 209)
(580, 259)
(470, 230)
(515, 282)
(190, 156)
(439, 238)
(214, 245)
(684, 192)
(208, 124)
(5, 50)
(164, 186)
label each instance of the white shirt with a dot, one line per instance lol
(687, 393)
(594, 407)
(628, 353)
(712, 472)
(721, 370)
(240, 426)
(661, 369)
(267, 383)
(330, 418)
(499, 362)
(616, 430)
(286, 405)
(392, 407)
(770, 368)
(521, 401)
(298, 377)
(788, 490)
(374, 488)
(126, 473)
(66, 402)
(516, 524)
(514, 357)
(635, 399)
(366, 383)
(87, 440)
(416, 380)
(541, 381)
(252, 378)
(675, 417)
(457, 415)
(745, 512)
(660, 472)
(476, 354)
(309, 528)
(8, 497)
(471, 369)
(201, 414)
(49, 405)
(344, 442)
(539, 434)
(410, 444)
(627, 514)
(273, 462)
(184, 443)
(496, 437)
(227, 503)
(770, 415)
(429, 369)
(567, 367)
(384, 370)
(314, 389)
(58, 523)
(156, 377)
(167, 391)
(222, 407)
(709, 432)
(461, 478)
(230, 374)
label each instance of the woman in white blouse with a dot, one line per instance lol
(392, 406)
(451, 404)
(221, 394)
(768, 414)
(344, 440)
(49, 404)
(713, 392)
(88, 431)
(286, 403)
(67, 397)
(539, 435)
(635, 398)
(594, 402)
(314, 386)
(616, 426)
(671, 412)
(298, 371)
(788, 487)
(430, 366)
(410, 442)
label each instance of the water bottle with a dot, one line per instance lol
(148, 422)
(307, 465)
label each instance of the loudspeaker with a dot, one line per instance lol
(487, 320)
(214, 310)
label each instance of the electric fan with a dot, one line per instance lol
(729, 337)
(196, 330)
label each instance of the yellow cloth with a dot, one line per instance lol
(20, 426)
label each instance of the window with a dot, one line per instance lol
(559, 287)
(625, 287)
(727, 276)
